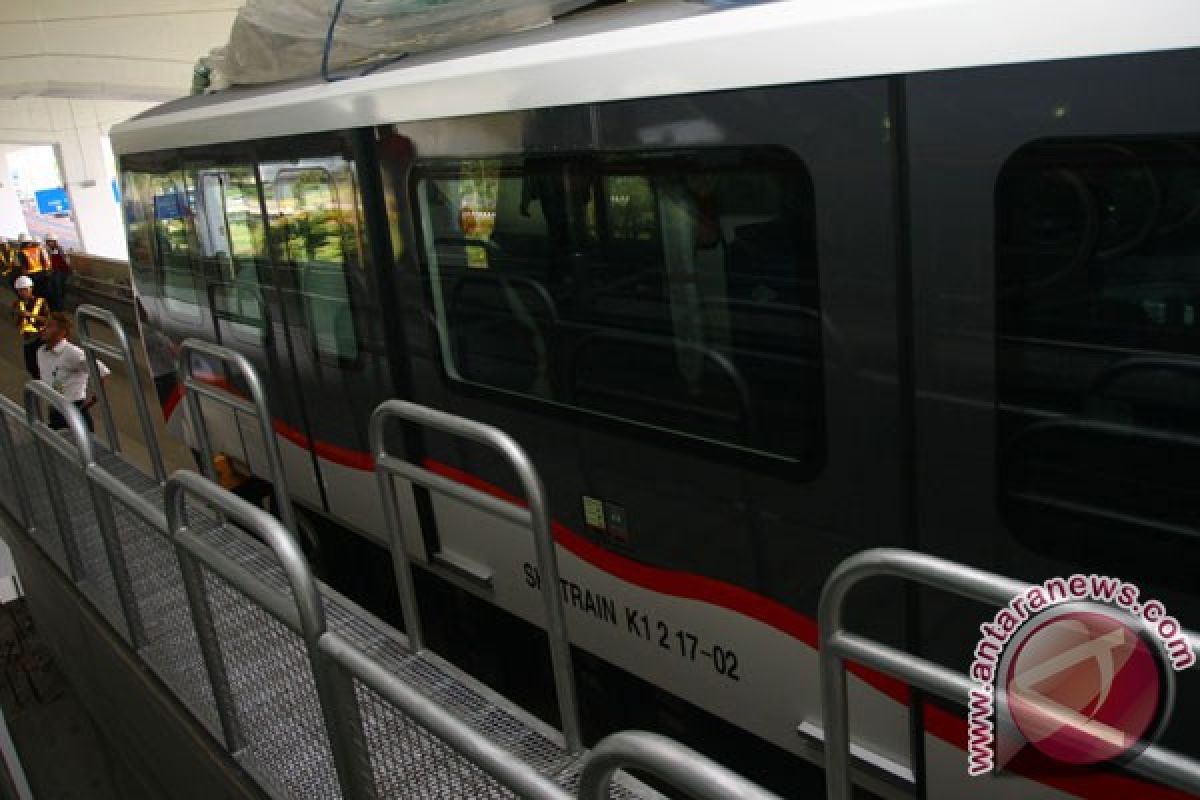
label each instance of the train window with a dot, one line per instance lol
(314, 214)
(137, 195)
(672, 289)
(157, 209)
(1098, 354)
(227, 218)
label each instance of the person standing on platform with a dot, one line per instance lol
(34, 263)
(60, 268)
(30, 313)
(63, 365)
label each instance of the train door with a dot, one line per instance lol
(247, 311)
(1055, 241)
(684, 308)
(172, 247)
(320, 273)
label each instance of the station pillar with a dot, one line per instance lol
(85, 161)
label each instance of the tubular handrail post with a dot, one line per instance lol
(258, 398)
(835, 714)
(35, 393)
(123, 352)
(11, 411)
(335, 692)
(38, 393)
(401, 560)
(836, 645)
(672, 762)
(535, 497)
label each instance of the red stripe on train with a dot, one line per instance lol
(337, 454)
(1097, 783)
(682, 584)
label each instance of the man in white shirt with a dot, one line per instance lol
(64, 366)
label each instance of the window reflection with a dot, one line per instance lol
(313, 209)
(673, 289)
(1098, 269)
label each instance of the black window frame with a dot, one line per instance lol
(799, 468)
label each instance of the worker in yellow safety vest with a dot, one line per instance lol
(35, 263)
(33, 256)
(30, 312)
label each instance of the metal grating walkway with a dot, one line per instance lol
(315, 697)
(287, 748)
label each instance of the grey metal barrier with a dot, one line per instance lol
(305, 616)
(534, 518)
(667, 760)
(344, 674)
(171, 646)
(838, 645)
(39, 396)
(257, 406)
(336, 663)
(84, 316)
(13, 477)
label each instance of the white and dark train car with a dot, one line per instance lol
(757, 289)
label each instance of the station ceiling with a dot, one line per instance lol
(123, 51)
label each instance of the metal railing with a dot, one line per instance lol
(257, 406)
(306, 617)
(837, 646)
(665, 759)
(15, 498)
(38, 397)
(341, 669)
(84, 316)
(535, 518)
(37, 392)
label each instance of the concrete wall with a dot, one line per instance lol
(12, 219)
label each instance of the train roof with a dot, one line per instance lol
(666, 47)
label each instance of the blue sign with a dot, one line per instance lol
(116, 191)
(168, 206)
(52, 201)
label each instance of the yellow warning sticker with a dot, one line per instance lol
(593, 513)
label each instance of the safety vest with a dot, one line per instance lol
(37, 307)
(33, 258)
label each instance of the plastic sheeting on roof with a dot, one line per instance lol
(278, 40)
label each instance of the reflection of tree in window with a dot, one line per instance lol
(137, 196)
(310, 214)
(243, 216)
(314, 223)
(173, 236)
(632, 211)
(229, 227)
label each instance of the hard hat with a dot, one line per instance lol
(24, 282)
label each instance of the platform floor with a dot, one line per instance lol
(61, 751)
(13, 378)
